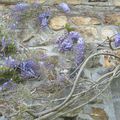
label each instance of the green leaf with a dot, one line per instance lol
(69, 28)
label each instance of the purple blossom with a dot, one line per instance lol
(16, 12)
(66, 45)
(11, 63)
(66, 42)
(28, 69)
(6, 42)
(8, 85)
(48, 65)
(74, 35)
(64, 7)
(13, 26)
(3, 42)
(20, 7)
(117, 40)
(79, 50)
(61, 39)
(43, 19)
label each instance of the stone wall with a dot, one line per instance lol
(94, 20)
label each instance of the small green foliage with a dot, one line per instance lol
(69, 28)
(10, 49)
(7, 74)
(118, 24)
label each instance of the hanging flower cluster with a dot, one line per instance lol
(64, 7)
(117, 40)
(72, 41)
(65, 43)
(44, 18)
(79, 50)
(16, 13)
(8, 85)
(27, 68)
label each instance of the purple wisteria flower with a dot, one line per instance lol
(66, 42)
(79, 50)
(8, 85)
(16, 12)
(66, 45)
(28, 69)
(13, 26)
(11, 63)
(20, 7)
(8, 42)
(74, 35)
(64, 7)
(3, 41)
(117, 40)
(44, 18)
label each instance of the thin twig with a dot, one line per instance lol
(75, 83)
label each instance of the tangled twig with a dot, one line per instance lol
(47, 113)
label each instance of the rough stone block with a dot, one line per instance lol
(81, 20)
(58, 22)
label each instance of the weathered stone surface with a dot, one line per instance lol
(84, 117)
(81, 20)
(89, 33)
(108, 31)
(99, 114)
(33, 1)
(2, 7)
(73, 2)
(117, 3)
(112, 19)
(58, 22)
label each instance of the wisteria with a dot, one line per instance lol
(20, 7)
(8, 45)
(72, 42)
(64, 7)
(8, 85)
(28, 69)
(3, 41)
(11, 63)
(79, 50)
(117, 40)
(44, 18)
(66, 45)
(50, 73)
(74, 35)
(66, 42)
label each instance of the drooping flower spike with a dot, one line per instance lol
(20, 7)
(44, 18)
(64, 7)
(72, 41)
(79, 50)
(65, 43)
(28, 69)
(11, 63)
(3, 42)
(117, 40)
